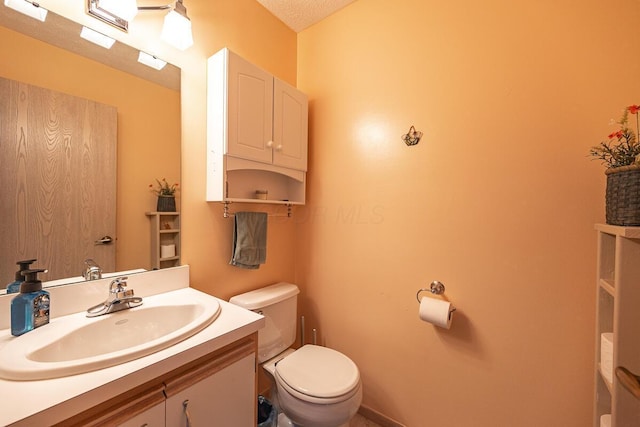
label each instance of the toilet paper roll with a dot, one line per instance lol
(606, 355)
(436, 311)
(167, 251)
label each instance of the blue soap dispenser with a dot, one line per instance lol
(30, 308)
(14, 287)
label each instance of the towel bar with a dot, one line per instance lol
(228, 214)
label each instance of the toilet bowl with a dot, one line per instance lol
(313, 386)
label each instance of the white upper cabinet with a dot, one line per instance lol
(257, 131)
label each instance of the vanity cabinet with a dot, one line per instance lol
(618, 315)
(165, 231)
(217, 389)
(257, 132)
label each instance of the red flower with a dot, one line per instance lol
(617, 134)
(633, 109)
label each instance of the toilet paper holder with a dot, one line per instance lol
(436, 288)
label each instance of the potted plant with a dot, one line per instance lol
(621, 155)
(166, 195)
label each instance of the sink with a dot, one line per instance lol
(76, 344)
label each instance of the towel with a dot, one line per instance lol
(249, 240)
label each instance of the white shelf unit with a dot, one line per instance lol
(257, 134)
(618, 312)
(165, 230)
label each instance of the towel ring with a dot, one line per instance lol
(436, 288)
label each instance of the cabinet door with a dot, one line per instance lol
(226, 398)
(153, 417)
(250, 111)
(290, 126)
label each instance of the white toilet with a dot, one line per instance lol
(314, 386)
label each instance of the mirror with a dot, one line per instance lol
(148, 120)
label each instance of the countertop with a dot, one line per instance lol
(44, 402)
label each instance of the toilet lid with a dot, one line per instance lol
(319, 372)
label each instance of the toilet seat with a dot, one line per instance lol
(318, 374)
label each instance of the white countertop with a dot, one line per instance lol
(45, 402)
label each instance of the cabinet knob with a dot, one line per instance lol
(269, 144)
(279, 147)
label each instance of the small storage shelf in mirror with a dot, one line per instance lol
(165, 239)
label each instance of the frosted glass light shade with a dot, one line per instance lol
(177, 30)
(27, 8)
(125, 9)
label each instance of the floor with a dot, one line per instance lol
(360, 421)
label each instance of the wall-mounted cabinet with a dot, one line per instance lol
(257, 132)
(617, 324)
(165, 239)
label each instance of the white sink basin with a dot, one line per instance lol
(75, 344)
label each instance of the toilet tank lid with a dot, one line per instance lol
(266, 296)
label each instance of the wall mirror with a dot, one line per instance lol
(148, 125)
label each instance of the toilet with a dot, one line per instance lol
(315, 386)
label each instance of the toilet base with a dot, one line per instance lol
(283, 421)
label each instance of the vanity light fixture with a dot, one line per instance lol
(97, 38)
(29, 8)
(113, 12)
(176, 29)
(151, 61)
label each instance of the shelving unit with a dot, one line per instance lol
(257, 134)
(165, 230)
(617, 312)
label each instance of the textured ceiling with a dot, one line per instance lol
(300, 14)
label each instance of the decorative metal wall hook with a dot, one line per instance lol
(412, 137)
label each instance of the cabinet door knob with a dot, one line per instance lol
(629, 381)
(269, 144)
(279, 147)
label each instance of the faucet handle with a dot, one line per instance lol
(118, 285)
(118, 289)
(92, 270)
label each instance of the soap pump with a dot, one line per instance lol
(30, 308)
(14, 287)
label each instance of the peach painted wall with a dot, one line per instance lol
(148, 128)
(497, 201)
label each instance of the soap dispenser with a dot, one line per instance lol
(14, 287)
(30, 308)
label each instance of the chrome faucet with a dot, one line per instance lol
(92, 270)
(120, 298)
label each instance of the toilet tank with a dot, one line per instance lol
(278, 304)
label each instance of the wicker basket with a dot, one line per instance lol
(623, 195)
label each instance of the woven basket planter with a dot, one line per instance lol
(166, 204)
(623, 195)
